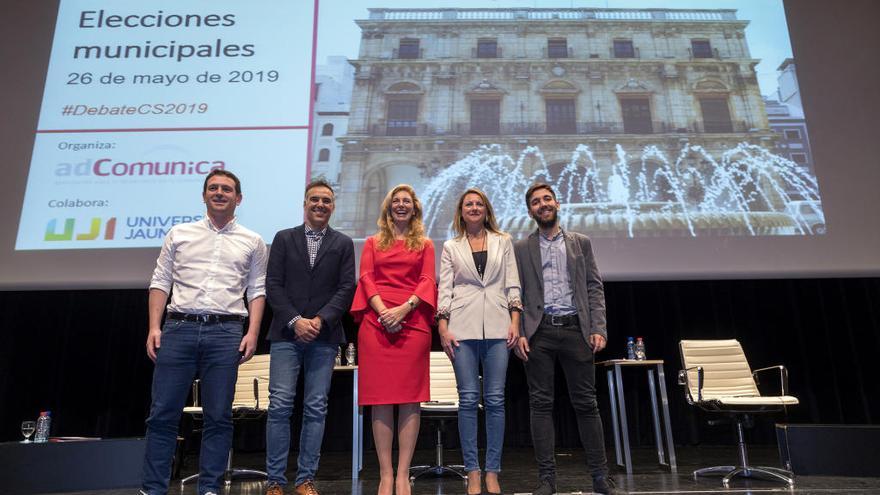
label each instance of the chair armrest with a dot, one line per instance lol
(783, 376)
(257, 389)
(684, 380)
(195, 391)
(257, 392)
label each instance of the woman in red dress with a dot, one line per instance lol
(395, 302)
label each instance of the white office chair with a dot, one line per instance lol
(443, 407)
(251, 401)
(717, 378)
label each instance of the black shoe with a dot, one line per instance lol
(546, 487)
(605, 485)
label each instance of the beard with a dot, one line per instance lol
(550, 222)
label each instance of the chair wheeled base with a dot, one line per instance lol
(231, 473)
(759, 472)
(438, 469)
(418, 471)
(743, 470)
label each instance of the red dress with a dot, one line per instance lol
(393, 367)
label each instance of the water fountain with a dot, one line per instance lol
(746, 191)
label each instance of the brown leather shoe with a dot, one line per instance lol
(307, 487)
(274, 489)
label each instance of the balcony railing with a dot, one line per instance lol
(569, 53)
(410, 128)
(558, 52)
(401, 128)
(714, 54)
(552, 14)
(486, 52)
(570, 128)
(623, 52)
(719, 126)
(408, 54)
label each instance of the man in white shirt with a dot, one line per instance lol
(208, 266)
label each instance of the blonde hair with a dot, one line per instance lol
(415, 235)
(458, 223)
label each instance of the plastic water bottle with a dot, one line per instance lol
(640, 349)
(44, 423)
(350, 355)
(630, 348)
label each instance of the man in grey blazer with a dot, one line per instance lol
(310, 283)
(563, 319)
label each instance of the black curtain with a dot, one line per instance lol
(81, 354)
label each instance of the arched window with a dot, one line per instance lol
(560, 107)
(713, 99)
(327, 130)
(716, 114)
(403, 109)
(485, 117)
(403, 116)
(324, 155)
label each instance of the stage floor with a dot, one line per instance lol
(519, 475)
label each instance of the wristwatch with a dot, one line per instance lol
(293, 321)
(412, 304)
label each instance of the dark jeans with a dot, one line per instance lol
(190, 349)
(568, 346)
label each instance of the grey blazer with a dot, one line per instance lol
(589, 293)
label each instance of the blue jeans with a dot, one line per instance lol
(316, 360)
(469, 355)
(190, 349)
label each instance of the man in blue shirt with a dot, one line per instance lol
(563, 319)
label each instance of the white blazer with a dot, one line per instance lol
(478, 308)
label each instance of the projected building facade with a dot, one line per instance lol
(786, 117)
(330, 117)
(636, 115)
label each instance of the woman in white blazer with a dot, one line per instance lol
(478, 317)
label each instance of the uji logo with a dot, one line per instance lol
(94, 230)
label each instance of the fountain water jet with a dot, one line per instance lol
(748, 191)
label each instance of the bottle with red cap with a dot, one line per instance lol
(640, 349)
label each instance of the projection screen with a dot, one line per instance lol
(688, 142)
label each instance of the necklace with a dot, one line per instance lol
(480, 256)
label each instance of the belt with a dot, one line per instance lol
(204, 318)
(560, 320)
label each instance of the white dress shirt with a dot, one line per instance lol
(211, 269)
